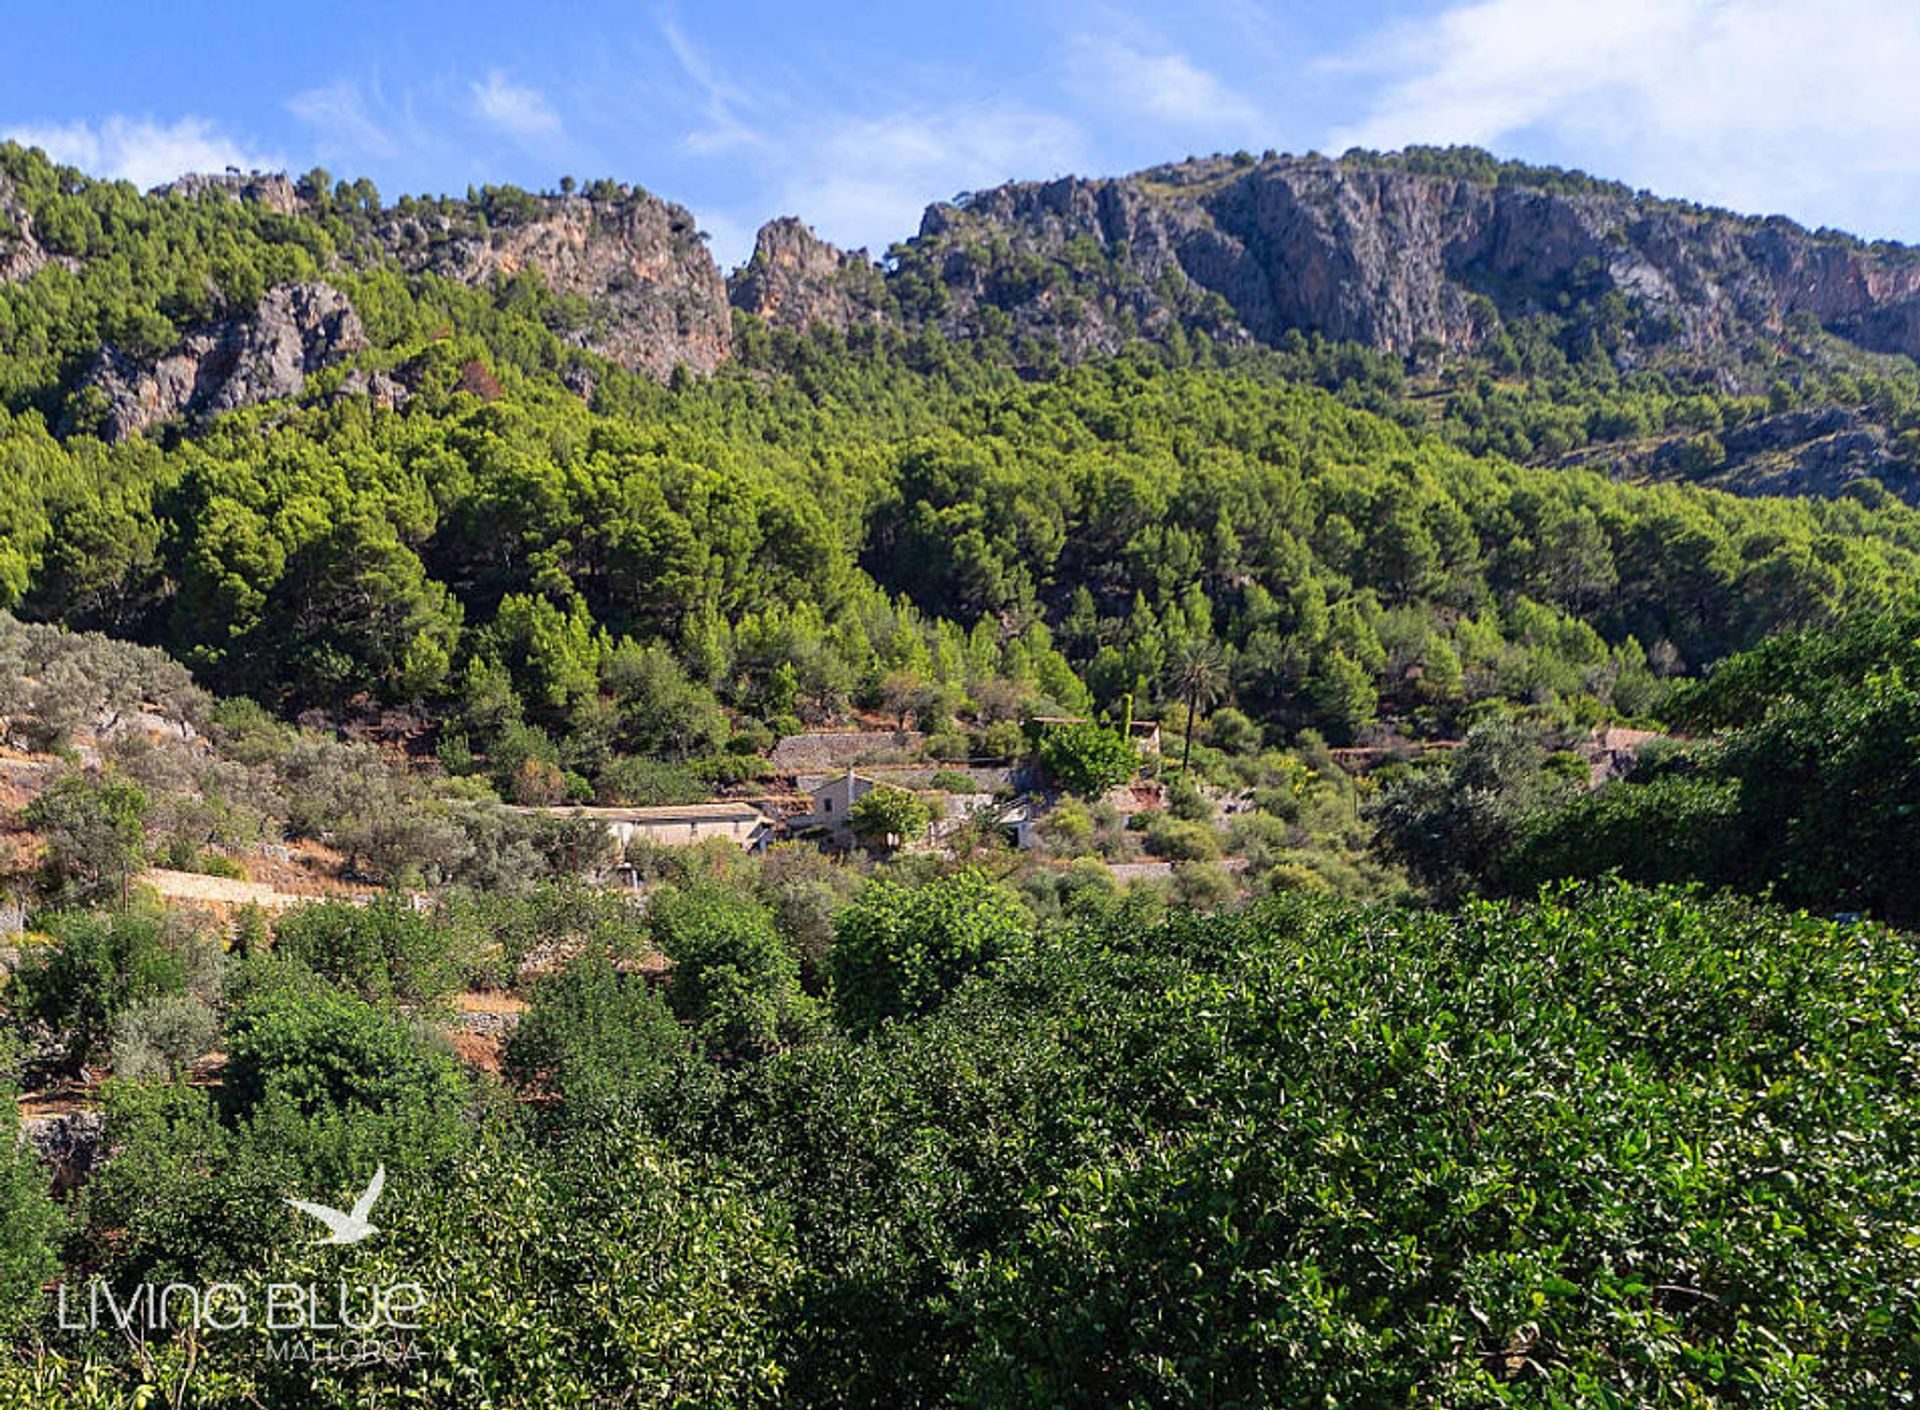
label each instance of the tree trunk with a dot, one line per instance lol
(1186, 750)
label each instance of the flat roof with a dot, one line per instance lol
(675, 812)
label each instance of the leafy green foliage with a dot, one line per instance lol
(889, 817)
(388, 950)
(603, 1270)
(1083, 758)
(317, 1048)
(898, 952)
(1271, 1157)
(593, 1038)
(734, 979)
(97, 968)
(1455, 823)
(1806, 793)
(29, 1225)
(162, 1037)
(1613, 1145)
(93, 829)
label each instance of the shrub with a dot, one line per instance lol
(29, 1224)
(1186, 802)
(97, 967)
(650, 783)
(94, 830)
(1202, 885)
(734, 979)
(385, 950)
(297, 1039)
(1067, 829)
(593, 1038)
(806, 889)
(1178, 841)
(889, 817)
(159, 1039)
(1232, 732)
(899, 951)
(1084, 758)
(949, 746)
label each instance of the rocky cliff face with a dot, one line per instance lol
(1391, 257)
(271, 189)
(797, 280)
(21, 255)
(270, 351)
(656, 297)
(1407, 256)
(1090, 264)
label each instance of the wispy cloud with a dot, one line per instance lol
(1762, 104)
(721, 102)
(860, 178)
(866, 180)
(1157, 83)
(521, 112)
(141, 150)
(342, 120)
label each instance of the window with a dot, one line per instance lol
(829, 804)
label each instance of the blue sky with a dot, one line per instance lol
(855, 116)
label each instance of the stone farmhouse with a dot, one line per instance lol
(676, 825)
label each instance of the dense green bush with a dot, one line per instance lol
(1619, 1147)
(734, 979)
(601, 1271)
(1806, 789)
(898, 951)
(96, 968)
(93, 828)
(29, 1225)
(162, 1037)
(888, 817)
(1083, 758)
(1167, 836)
(1611, 1147)
(593, 1039)
(296, 1038)
(386, 950)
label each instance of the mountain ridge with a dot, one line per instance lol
(1387, 250)
(1449, 263)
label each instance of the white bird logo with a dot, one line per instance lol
(351, 1227)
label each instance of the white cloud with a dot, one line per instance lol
(522, 112)
(343, 122)
(720, 101)
(1760, 104)
(1164, 86)
(859, 179)
(140, 150)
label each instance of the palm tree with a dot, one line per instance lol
(1198, 670)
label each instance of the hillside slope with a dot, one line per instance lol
(513, 459)
(1540, 313)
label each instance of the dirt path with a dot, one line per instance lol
(221, 890)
